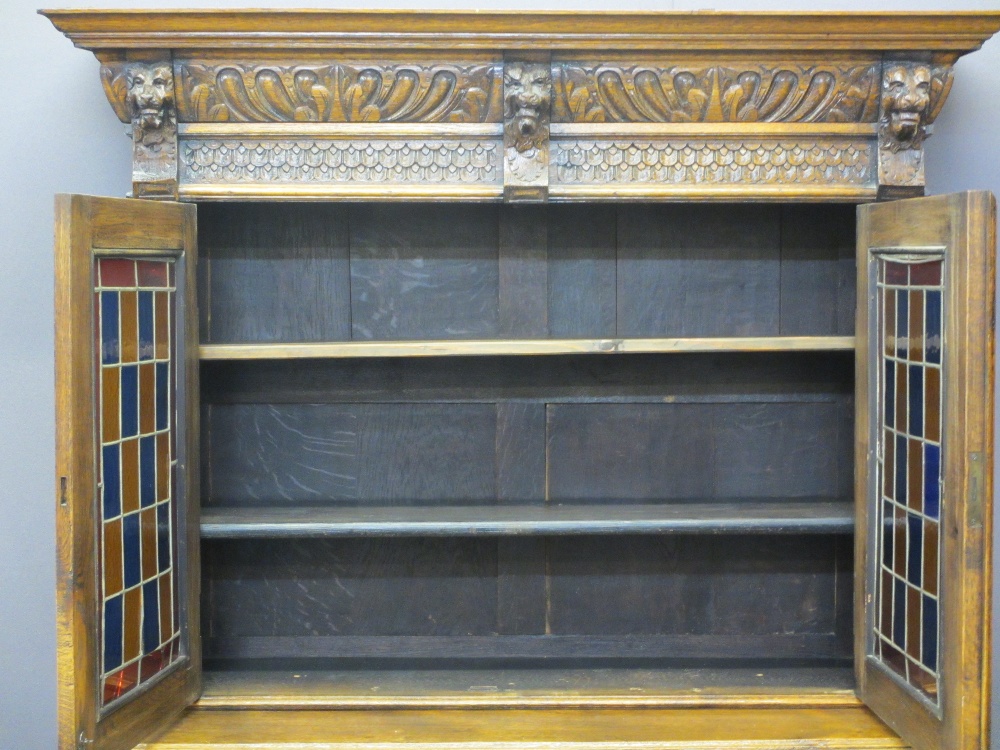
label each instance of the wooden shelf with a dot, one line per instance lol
(792, 728)
(814, 516)
(446, 348)
(816, 686)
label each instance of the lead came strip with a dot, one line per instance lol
(907, 628)
(140, 630)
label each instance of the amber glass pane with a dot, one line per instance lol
(139, 628)
(908, 427)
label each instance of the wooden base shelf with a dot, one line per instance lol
(815, 516)
(812, 686)
(854, 728)
(445, 348)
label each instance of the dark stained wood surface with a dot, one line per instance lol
(421, 272)
(369, 272)
(698, 270)
(274, 272)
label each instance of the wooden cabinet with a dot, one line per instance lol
(525, 380)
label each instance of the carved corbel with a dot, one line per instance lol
(912, 96)
(142, 94)
(527, 99)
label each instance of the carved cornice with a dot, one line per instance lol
(571, 102)
(359, 92)
(715, 93)
(949, 33)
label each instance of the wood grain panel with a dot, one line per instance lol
(698, 270)
(817, 270)
(274, 273)
(719, 585)
(633, 452)
(362, 587)
(582, 253)
(313, 454)
(420, 272)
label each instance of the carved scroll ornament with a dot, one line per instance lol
(715, 93)
(339, 93)
(912, 97)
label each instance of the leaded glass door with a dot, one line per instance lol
(126, 394)
(925, 458)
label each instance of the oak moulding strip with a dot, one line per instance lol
(346, 130)
(689, 191)
(352, 349)
(768, 130)
(950, 32)
(298, 191)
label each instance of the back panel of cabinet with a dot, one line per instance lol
(336, 272)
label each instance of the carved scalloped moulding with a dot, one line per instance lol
(341, 92)
(828, 162)
(337, 161)
(737, 92)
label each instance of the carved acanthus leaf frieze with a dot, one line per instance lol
(715, 93)
(829, 162)
(339, 161)
(339, 93)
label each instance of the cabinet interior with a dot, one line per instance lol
(542, 527)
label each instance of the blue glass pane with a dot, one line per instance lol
(150, 616)
(887, 534)
(147, 470)
(902, 324)
(890, 392)
(915, 549)
(111, 492)
(930, 622)
(113, 633)
(110, 343)
(130, 552)
(130, 400)
(899, 613)
(932, 477)
(900, 469)
(916, 394)
(162, 391)
(146, 349)
(933, 316)
(163, 536)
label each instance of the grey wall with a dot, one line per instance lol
(59, 134)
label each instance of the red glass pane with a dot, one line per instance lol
(117, 272)
(152, 273)
(895, 273)
(926, 274)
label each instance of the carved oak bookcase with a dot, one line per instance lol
(528, 380)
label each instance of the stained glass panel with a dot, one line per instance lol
(140, 637)
(908, 619)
